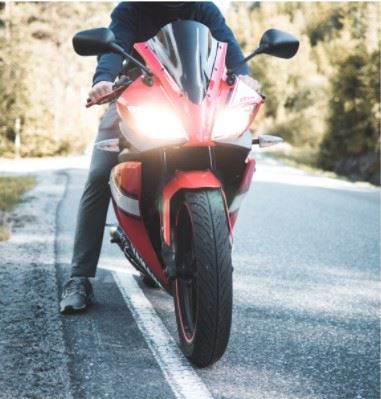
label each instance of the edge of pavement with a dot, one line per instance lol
(34, 361)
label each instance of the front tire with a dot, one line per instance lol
(203, 287)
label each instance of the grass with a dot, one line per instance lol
(303, 159)
(11, 190)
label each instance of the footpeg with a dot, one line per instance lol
(114, 234)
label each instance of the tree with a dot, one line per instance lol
(13, 98)
(352, 145)
(295, 89)
(42, 80)
(327, 98)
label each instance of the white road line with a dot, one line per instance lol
(185, 383)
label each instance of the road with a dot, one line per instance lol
(306, 303)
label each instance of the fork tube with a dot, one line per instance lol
(212, 158)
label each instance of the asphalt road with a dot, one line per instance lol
(306, 301)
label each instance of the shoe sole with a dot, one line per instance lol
(72, 309)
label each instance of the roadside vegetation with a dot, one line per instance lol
(325, 101)
(302, 160)
(43, 83)
(293, 156)
(11, 190)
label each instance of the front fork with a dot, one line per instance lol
(192, 180)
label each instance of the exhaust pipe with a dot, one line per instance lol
(119, 238)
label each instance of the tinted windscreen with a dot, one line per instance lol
(187, 50)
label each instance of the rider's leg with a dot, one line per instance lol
(77, 292)
(94, 203)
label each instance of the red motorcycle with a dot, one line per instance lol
(184, 168)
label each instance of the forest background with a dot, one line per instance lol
(325, 102)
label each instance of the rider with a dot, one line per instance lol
(130, 22)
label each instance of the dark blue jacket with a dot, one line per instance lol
(134, 22)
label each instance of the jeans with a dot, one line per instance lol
(95, 200)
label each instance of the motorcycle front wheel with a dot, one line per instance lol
(203, 287)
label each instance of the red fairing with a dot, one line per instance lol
(127, 177)
(198, 119)
(241, 192)
(184, 180)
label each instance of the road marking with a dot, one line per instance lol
(296, 177)
(183, 380)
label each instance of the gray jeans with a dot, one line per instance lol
(94, 202)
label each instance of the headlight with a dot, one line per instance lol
(232, 122)
(157, 123)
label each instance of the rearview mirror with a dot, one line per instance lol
(94, 41)
(273, 42)
(102, 40)
(278, 43)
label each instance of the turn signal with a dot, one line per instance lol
(266, 140)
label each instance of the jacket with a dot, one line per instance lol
(133, 22)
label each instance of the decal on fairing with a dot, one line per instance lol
(244, 94)
(144, 265)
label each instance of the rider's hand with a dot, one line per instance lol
(100, 89)
(250, 82)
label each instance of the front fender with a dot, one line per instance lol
(183, 180)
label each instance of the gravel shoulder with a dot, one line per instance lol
(32, 349)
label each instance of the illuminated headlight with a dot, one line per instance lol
(157, 123)
(232, 122)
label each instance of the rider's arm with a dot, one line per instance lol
(123, 25)
(211, 16)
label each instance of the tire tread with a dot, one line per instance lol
(213, 256)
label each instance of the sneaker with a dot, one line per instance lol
(77, 294)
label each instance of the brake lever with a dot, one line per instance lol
(104, 99)
(118, 88)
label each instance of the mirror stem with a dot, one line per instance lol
(259, 50)
(118, 49)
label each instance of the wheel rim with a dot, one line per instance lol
(186, 282)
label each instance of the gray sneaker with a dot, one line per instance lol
(77, 294)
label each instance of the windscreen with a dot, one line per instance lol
(188, 51)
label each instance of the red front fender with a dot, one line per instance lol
(184, 180)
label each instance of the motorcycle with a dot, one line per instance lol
(184, 168)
